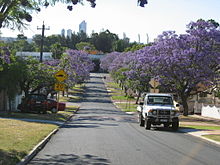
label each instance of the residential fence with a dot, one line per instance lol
(211, 111)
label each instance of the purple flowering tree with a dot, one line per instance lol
(128, 71)
(77, 65)
(106, 61)
(4, 56)
(182, 62)
(139, 72)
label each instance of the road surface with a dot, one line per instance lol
(100, 134)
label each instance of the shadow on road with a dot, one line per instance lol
(69, 159)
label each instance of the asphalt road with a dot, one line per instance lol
(100, 134)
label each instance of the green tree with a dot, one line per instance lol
(21, 37)
(57, 49)
(104, 41)
(135, 46)
(74, 40)
(121, 45)
(21, 44)
(82, 36)
(85, 46)
(14, 13)
(34, 76)
(37, 42)
(10, 77)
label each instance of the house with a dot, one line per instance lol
(35, 55)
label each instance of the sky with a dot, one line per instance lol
(123, 16)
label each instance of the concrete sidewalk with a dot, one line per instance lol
(200, 121)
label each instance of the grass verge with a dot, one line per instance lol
(127, 107)
(213, 137)
(125, 103)
(19, 137)
(200, 127)
(60, 116)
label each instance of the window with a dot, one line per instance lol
(165, 100)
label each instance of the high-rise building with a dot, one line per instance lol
(82, 26)
(69, 33)
(124, 35)
(63, 32)
(139, 38)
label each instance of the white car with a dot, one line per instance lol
(157, 109)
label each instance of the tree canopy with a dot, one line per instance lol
(180, 62)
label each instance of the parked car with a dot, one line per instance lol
(52, 106)
(40, 103)
(158, 109)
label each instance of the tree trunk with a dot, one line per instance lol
(1, 22)
(4, 101)
(185, 105)
(139, 95)
(9, 104)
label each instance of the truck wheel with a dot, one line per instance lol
(175, 125)
(141, 121)
(147, 124)
(166, 125)
(54, 110)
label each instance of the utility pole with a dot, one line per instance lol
(42, 40)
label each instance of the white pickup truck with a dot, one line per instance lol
(157, 109)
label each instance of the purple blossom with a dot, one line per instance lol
(77, 65)
(4, 55)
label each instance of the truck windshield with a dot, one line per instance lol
(164, 100)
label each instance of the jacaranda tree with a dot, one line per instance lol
(180, 62)
(77, 65)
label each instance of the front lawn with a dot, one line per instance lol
(19, 137)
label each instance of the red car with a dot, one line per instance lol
(52, 106)
(40, 103)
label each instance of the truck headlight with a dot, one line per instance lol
(152, 112)
(174, 113)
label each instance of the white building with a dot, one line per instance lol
(35, 55)
(69, 33)
(82, 26)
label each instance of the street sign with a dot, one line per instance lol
(59, 87)
(154, 83)
(60, 75)
(154, 90)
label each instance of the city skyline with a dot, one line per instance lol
(123, 16)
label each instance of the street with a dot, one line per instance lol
(101, 134)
